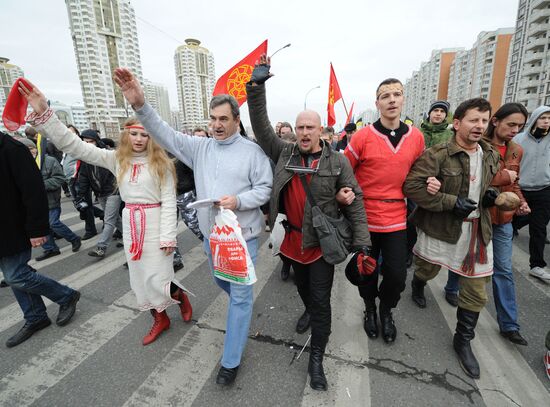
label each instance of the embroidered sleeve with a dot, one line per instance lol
(35, 119)
(172, 243)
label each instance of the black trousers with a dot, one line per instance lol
(393, 248)
(314, 283)
(539, 202)
(412, 236)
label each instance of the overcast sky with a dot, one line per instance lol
(367, 41)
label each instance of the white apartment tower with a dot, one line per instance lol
(104, 37)
(528, 75)
(480, 71)
(195, 79)
(8, 74)
(428, 84)
(157, 96)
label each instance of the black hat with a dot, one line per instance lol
(442, 104)
(352, 272)
(92, 135)
(350, 127)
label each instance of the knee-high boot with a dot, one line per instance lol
(317, 379)
(465, 325)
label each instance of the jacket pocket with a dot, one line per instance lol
(451, 180)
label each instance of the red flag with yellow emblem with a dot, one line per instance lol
(233, 82)
(334, 95)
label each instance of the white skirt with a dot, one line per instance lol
(450, 255)
(151, 275)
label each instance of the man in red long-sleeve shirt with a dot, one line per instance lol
(381, 156)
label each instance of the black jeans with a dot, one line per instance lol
(314, 283)
(393, 248)
(539, 202)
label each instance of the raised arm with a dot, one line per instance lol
(46, 122)
(257, 109)
(180, 145)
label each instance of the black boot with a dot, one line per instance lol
(389, 331)
(317, 379)
(465, 325)
(418, 292)
(370, 322)
(303, 323)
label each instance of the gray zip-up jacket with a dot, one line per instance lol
(535, 164)
(234, 166)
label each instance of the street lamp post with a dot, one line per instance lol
(307, 93)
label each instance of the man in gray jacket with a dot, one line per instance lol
(535, 186)
(230, 169)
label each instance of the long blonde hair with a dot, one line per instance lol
(158, 160)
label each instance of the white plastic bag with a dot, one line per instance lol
(277, 234)
(230, 256)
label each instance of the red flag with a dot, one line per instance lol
(16, 107)
(350, 115)
(334, 95)
(233, 82)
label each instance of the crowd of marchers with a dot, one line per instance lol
(447, 195)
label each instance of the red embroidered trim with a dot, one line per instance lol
(136, 170)
(171, 243)
(35, 120)
(159, 308)
(135, 127)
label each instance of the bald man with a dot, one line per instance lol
(326, 172)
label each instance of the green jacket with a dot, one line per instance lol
(451, 166)
(334, 173)
(53, 177)
(435, 133)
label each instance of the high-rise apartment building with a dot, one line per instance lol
(481, 70)
(429, 83)
(104, 37)
(195, 79)
(528, 75)
(8, 74)
(157, 96)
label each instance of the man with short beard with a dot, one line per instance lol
(454, 223)
(381, 156)
(327, 172)
(507, 121)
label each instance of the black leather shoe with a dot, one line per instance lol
(27, 331)
(317, 379)
(76, 245)
(48, 254)
(303, 323)
(88, 236)
(389, 331)
(67, 311)
(514, 337)
(226, 376)
(452, 299)
(370, 324)
(4, 284)
(418, 292)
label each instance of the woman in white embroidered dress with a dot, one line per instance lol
(146, 179)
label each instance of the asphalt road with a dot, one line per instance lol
(98, 359)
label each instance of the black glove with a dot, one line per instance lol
(489, 197)
(463, 207)
(260, 74)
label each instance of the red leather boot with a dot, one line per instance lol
(161, 323)
(185, 305)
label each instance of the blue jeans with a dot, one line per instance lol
(60, 228)
(28, 286)
(239, 312)
(504, 291)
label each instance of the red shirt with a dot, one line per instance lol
(294, 199)
(381, 170)
(502, 150)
